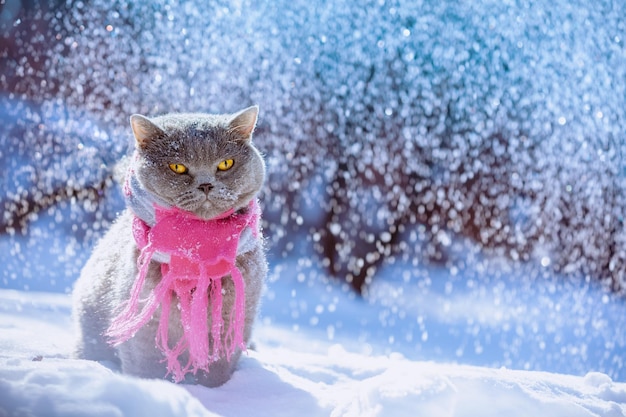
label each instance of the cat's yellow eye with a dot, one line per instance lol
(178, 168)
(225, 165)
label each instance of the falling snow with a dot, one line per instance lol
(459, 164)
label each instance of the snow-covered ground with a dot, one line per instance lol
(319, 351)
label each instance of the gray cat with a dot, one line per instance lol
(139, 291)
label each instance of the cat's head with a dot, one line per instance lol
(202, 163)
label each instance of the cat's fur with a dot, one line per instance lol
(200, 142)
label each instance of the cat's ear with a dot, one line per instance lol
(144, 130)
(243, 122)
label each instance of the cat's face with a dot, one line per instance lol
(204, 164)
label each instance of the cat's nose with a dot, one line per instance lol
(205, 187)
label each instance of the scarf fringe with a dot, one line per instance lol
(202, 346)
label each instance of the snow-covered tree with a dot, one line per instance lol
(389, 126)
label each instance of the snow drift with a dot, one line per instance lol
(287, 374)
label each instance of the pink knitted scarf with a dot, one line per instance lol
(200, 253)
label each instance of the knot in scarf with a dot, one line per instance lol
(196, 254)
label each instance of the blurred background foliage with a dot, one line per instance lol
(391, 129)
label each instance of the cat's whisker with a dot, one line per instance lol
(188, 199)
(228, 195)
